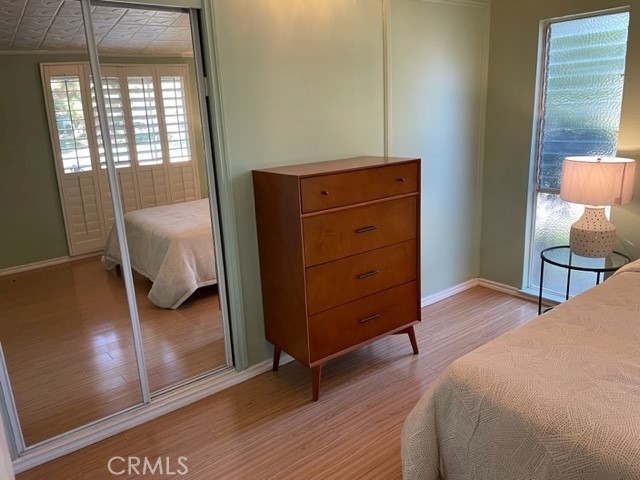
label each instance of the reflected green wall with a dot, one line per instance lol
(30, 209)
(513, 57)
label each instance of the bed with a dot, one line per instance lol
(557, 398)
(171, 245)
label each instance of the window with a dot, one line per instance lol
(580, 103)
(70, 123)
(158, 128)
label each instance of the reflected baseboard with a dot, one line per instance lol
(87, 435)
(45, 263)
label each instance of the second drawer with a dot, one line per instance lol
(350, 278)
(359, 229)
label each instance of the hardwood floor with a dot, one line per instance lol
(268, 427)
(68, 344)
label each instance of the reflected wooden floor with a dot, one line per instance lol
(68, 344)
(268, 428)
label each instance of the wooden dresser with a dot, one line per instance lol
(339, 255)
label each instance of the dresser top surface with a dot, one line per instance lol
(337, 166)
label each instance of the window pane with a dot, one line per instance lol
(145, 120)
(554, 217)
(584, 79)
(173, 97)
(115, 117)
(70, 123)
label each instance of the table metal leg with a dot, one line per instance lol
(568, 276)
(540, 291)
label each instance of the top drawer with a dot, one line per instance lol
(335, 190)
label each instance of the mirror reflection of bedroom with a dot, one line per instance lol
(65, 322)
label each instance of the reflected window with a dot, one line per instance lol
(114, 105)
(144, 117)
(70, 123)
(173, 99)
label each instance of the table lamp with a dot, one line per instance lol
(596, 182)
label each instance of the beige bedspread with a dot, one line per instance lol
(557, 398)
(171, 245)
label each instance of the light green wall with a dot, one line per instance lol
(304, 81)
(30, 210)
(509, 124)
(301, 81)
(436, 78)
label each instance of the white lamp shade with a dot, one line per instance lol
(597, 180)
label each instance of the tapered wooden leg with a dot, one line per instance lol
(315, 381)
(276, 358)
(412, 338)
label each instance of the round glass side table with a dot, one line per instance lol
(562, 256)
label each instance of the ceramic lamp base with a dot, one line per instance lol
(592, 235)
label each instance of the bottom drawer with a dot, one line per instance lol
(353, 323)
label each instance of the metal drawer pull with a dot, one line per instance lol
(325, 192)
(369, 228)
(370, 317)
(402, 179)
(367, 274)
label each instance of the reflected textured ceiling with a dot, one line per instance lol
(56, 25)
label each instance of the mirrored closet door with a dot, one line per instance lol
(109, 278)
(64, 324)
(147, 62)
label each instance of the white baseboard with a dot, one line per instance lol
(500, 287)
(449, 292)
(45, 263)
(477, 282)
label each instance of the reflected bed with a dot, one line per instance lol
(558, 397)
(171, 245)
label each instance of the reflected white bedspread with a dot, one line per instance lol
(557, 398)
(171, 245)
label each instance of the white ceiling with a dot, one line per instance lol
(56, 25)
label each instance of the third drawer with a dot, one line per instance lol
(350, 278)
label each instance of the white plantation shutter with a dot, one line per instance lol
(175, 118)
(145, 120)
(149, 124)
(117, 126)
